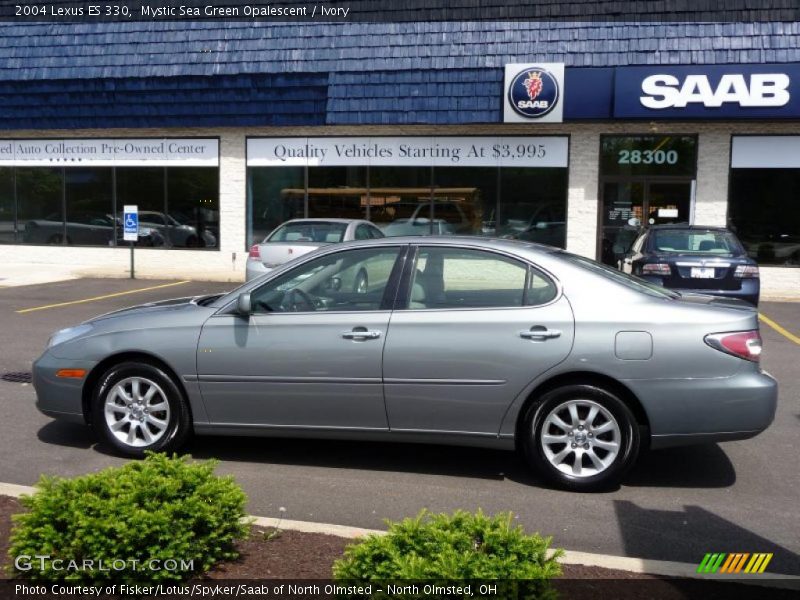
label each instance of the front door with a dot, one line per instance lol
(476, 328)
(310, 354)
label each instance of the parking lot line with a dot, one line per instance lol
(95, 298)
(785, 333)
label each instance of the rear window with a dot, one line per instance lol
(691, 241)
(640, 285)
(318, 231)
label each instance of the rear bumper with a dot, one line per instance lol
(749, 291)
(687, 411)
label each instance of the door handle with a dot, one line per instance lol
(361, 335)
(540, 334)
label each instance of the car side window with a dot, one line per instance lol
(375, 233)
(452, 278)
(362, 232)
(637, 245)
(351, 280)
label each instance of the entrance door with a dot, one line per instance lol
(631, 204)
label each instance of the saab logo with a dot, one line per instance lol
(533, 92)
(733, 563)
(756, 90)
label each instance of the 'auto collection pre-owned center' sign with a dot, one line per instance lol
(110, 152)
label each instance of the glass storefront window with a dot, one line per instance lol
(274, 196)
(337, 192)
(8, 211)
(89, 206)
(40, 213)
(144, 187)
(399, 198)
(193, 207)
(764, 212)
(533, 205)
(524, 203)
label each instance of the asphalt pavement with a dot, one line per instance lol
(675, 504)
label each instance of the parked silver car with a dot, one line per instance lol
(300, 236)
(493, 343)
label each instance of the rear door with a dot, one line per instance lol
(474, 329)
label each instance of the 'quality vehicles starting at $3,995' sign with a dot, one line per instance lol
(534, 92)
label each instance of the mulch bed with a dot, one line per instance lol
(307, 556)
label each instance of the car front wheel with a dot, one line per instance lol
(581, 437)
(137, 407)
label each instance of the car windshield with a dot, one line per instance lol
(309, 231)
(696, 241)
(640, 285)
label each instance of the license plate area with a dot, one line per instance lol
(702, 273)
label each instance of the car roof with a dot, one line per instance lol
(323, 220)
(514, 246)
(687, 226)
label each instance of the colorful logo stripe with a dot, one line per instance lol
(721, 562)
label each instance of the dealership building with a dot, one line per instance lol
(568, 133)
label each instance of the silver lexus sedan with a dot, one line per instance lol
(494, 343)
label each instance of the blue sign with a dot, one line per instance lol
(708, 92)
(130, 223)
(533, 92)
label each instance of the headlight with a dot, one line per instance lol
(64, 335)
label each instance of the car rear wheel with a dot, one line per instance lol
(581, 437)
(137, 407)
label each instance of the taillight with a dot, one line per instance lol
(254, 253)
(661, 269)
(746, 272)
(744, 344)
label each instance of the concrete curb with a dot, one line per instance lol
(661, 568)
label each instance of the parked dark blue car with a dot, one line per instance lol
(694, 259)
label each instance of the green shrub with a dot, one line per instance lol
(448, 548)
(158, 509)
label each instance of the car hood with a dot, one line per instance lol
(172, 304)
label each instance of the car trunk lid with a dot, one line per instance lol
(274, 254)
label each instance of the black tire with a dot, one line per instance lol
(178, 424)
(628, 438)
(361, 283)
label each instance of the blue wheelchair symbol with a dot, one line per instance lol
(130, 222)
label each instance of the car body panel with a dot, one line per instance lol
(687, 390)
(293, 369)
(444, 384)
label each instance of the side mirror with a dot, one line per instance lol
(334, 283)
(244, 305)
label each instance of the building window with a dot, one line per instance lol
(89, 206)
(40, 210)
(174, 182)
(8, 207)
(763, 209)
(512, 187)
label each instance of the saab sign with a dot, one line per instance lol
(708, 92)
(534, 93)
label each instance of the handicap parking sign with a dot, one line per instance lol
(130, 221)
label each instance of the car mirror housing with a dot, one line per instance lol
(244, 305)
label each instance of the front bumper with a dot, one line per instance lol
(687, 411)
(59, 397)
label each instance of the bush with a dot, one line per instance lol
(448, 548)
(158, 509)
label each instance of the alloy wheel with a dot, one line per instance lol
(581, 438)
(137, 412)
